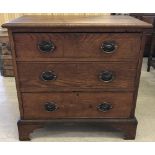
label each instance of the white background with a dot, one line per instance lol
(69, 6)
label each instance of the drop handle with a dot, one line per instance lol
(46, 46)
(108, 46)
(104, 107)
(106, 76)
(50, 106)
(48, 76)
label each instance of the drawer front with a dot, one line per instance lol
(107, 46)
(80, 105)
(38, 45)
(75, 76)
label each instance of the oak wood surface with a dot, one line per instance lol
(77, 45)
(76, 105)
(16, 74)
(75, 76)
(73, 21)
(4, 17)
(137, 78)
(127, 126)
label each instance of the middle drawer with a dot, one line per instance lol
(75, 76)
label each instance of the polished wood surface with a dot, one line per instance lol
(75, 76)
(84, 45)
(71, 20)
(77, 62)
(127, 126)
(5, 17)
(76, 105)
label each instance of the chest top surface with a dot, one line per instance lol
(76, 21)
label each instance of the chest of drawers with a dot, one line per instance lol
(77, 69)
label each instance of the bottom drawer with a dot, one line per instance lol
(77, 105)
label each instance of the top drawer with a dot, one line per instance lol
(100, 46)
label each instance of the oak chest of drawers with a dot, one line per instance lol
(77, 69)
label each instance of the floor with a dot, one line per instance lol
(145, 113)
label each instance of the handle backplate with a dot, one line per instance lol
(106, 76)
(109, 47)
(104, 107)
(48, 76)
(50, 106)
(46, 46)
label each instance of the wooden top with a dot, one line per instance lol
(76, 21)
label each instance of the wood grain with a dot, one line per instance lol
(77, 45)
(75, 76)
(127, 126)
(77, 62)
(76, 105)
(5, 17)
(72, 21)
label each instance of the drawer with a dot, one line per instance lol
(106, 46)
(77, 105)
(38, 45)
(75, 76)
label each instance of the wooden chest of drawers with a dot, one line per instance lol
(77, 69)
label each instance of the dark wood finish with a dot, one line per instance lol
(35, 21)
(26, 45)
(76, 105)
(150, 18)
(151, 55)
(16, 74)
(84, 45)
(75, 90)
(137, 78)
(150, 42)
(24, 129)
(75, 76)
(127, 126)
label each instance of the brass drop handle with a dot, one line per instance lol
(46, 46)
(48, 76)
(50, 106)
(104, 107)
(106, 76)
(108, 46)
